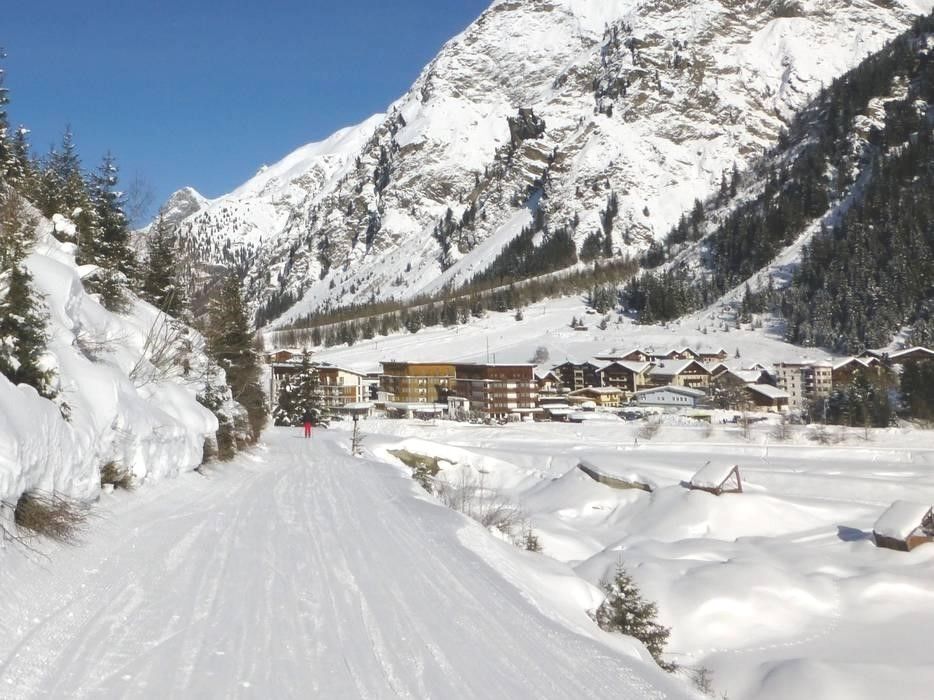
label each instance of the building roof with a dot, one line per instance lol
(599, 390)
(686, 391)
(901, 519)
(712, 475)
(672, 368)
(769, 391)
(634, 367)
(858, 360)
(908, 351)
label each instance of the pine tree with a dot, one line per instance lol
(6, 153)
(107, 243)
(230, 342)
(22, 319)
(625, 611)
(162, 284)
(288, 411)
(308, 391)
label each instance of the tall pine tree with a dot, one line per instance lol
(105, 240)
(22, 318)
(162, 283)
(230, 342)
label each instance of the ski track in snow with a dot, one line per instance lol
(305, 574)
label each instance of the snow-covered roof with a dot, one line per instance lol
(909, 351)
(769, 391)
(672, 368)
(712, 475)
(358, 406)
(901, 519)
(686, 391)
(634, 367)
(599, 390)
(850, 360)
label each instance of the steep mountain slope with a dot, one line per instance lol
(608, 116)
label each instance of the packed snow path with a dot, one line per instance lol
(304, 574)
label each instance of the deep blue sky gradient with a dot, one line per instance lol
(203, 92)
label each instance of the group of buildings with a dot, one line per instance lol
(681, 378)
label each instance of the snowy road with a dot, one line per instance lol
(304, 574)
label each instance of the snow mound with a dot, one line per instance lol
(119, 405)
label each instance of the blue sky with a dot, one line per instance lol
(203, 92)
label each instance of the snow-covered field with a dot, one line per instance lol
(779, 591)
(498, 337)
(301, 572)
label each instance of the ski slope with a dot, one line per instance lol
(299, 571)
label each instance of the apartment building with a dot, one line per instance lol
(417, 382)
(497, 390)
(805, 381)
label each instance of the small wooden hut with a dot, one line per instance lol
(717, 479)
(904, 526)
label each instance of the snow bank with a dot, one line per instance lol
(119, 406)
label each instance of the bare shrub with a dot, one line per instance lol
(782, 430)
(164, 352)
(650, 429)
(120, 476)
(530, 541)
(49, 515)
(701, 678)
(356, 439)
(472, 498)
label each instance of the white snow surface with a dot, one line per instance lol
(297, 572)
(779, 591)
(120, 408)
(901, 519)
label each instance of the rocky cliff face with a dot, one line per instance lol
(600, 115)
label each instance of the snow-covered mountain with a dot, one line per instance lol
(540, 104)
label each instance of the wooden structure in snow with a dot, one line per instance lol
(904, 525)
(717, 479)
(615, 481)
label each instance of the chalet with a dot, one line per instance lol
(717, 478)
(843, 372)
(548, 382)
(602, 396)
(670, 396)
(682, 354)
(340, 386)
(904, 526)
(689, 373)
(716, 368)
(711, 356)
(624, 375)
(284, 356)
(577, 375)
(766, 397)
(915, 354)
(634, 355)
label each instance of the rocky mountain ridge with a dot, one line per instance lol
(602, 118)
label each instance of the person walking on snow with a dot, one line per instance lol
(306, 419)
